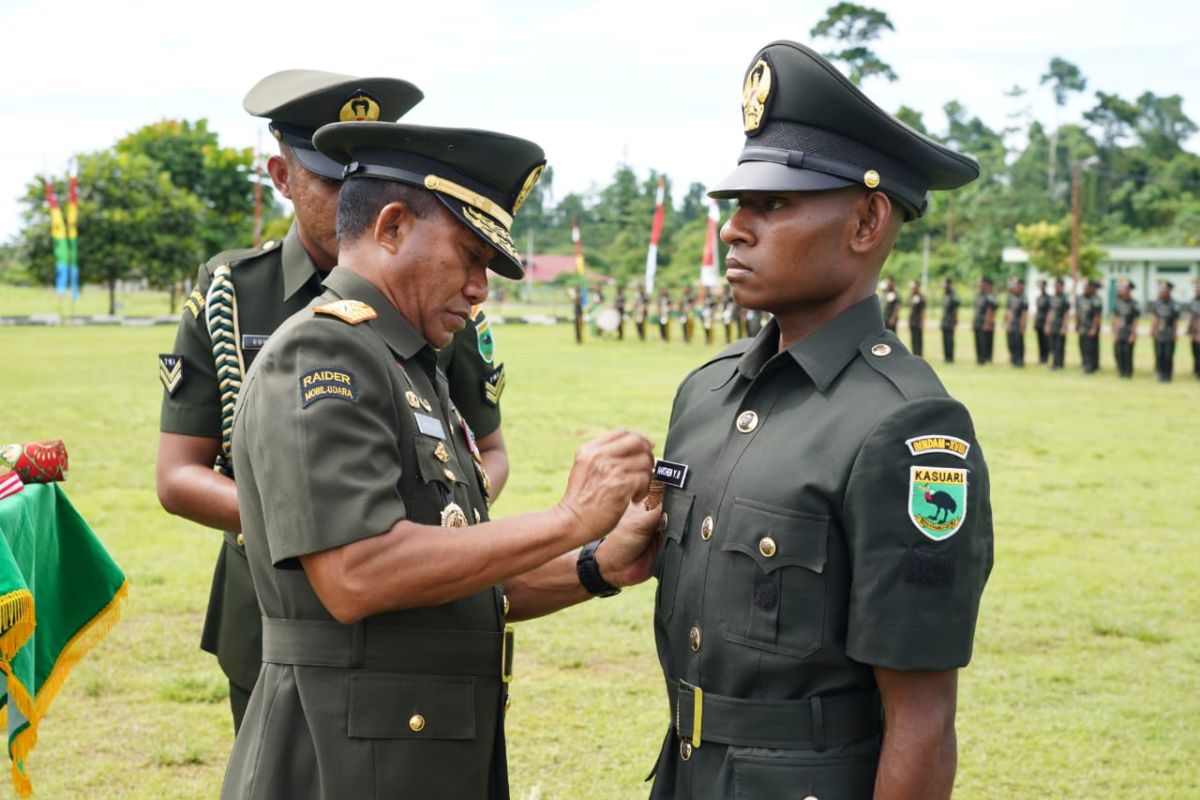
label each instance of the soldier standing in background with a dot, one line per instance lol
(950, 305)
(1016, 314)
(983, 323)
(619, 304)
(891, 305)
(1162, 330)
(1194, 329)
(641, 313)
(1089, 309)
(1041, 311)
(728, 311)
(664, 314)
(687, 313)
(916, 318)
(1124, 328)
(711, 309)
(1057, 320)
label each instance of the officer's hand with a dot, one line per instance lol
(608, 473)
(624, 558)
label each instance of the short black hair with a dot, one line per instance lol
(360, 201)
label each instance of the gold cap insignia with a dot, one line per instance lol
(352, 311)
(453, 516)
(871, 178)
(755, 92)
(361, 107)
(530, 181)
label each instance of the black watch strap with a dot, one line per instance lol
(589, 572)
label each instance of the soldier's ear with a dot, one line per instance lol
(392, 225)
(277, 168)
(877, 222)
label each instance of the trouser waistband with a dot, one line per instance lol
(813, 723)
(318, 643)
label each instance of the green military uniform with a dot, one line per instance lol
(1088, 309)
(828, 505)
(1166, 313)
(950, 305)
(1056, 318)
(345, 427)
(1126, 312)
(1194, 328)
(1018, 307)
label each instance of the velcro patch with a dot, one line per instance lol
(938, 443)
(327, 383)
(352, 311)
(170, 372)
(670, 473)
(493, 386)
(930, 569)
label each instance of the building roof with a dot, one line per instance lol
(1113, 253)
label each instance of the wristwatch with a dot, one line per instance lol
(589, 572)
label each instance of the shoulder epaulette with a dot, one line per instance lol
(911, 375)
(477, 312)
(351, 311)
(735, 350)
(235, 257)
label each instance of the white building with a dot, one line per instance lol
(1145, 266)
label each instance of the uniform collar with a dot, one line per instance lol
(298, 266)
(397, 332)
(824, 353)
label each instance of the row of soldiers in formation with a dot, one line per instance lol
(696, 313)
(1051, 323)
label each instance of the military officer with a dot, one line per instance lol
(619, 307)
(891, 305)
(983, 321)
(950, 305)
(1089, 309)
(1194, 329)
(1124, 328)
(383, 585)
(827, 528)
(1057, 319)
(1041, 311)
(1016, 315)
(916, 317)
(1165, 317)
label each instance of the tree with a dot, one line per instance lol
(855, 27)
(1064, 78)
(133, 223)
(1048, 245)
(1161, 125)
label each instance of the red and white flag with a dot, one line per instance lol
(10, 484)
(708, 264)
(655, 232)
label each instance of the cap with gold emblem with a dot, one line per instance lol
(809, 129)
(298, 101)
(481, 176)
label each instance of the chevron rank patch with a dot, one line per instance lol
(493, 386)
(170, 372)
(327, 383)
(194, 303)
(352, 311)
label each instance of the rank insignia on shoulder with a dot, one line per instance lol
(937, 500)
(327, 383)
(670, 473)
(493, 386)
(194, 303)
(938, 443)
(352, 311)
(170, 372)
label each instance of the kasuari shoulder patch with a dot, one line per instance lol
(937, 500)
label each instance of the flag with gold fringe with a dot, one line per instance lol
(76, 598)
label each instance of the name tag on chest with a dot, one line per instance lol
(430, 426)
(253, 341)
(670, 473)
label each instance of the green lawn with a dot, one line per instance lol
(1084, 682)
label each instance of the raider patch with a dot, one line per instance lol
(937, 500)
(170, 372)
(327, 383)
(493, 386)
(938, 443)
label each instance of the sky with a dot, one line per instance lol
(655, 85)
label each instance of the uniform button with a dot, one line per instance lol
(269, 244)
(812, 797)
(706, 528)
(685, 750)
(766, 546)
(417, 723)
(747, 421)
(449, 473)
(694, 635)
(505, 605)
(880, 350)
(241, 540)
(663, 522)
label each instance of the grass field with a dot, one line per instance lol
(1087, 660)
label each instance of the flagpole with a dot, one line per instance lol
(708, 263)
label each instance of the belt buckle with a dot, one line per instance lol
(506, 653)
(697, 695)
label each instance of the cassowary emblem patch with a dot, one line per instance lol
(937, 502)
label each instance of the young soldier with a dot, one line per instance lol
(1124, 328)
(1041, 312)
(1016, 314)
(1057, 319)
(950, 305)
(827, 527)
(1088, 313)
(916, 318)
(1162, 330)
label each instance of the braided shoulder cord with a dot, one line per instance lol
(221, 316)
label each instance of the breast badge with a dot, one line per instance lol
(453, 516)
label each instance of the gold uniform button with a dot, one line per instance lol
(417, 723)
(505, 604)
(685, 751)
(766, 546)
(871, 180)
(241, 540)
(747, 421)
(449, 473)
(694, 635)
(880, 350)
(662, 522)
(706, 528)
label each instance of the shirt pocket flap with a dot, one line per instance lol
(677, 512)
(431, 466)
(411, 707)
(777, 537)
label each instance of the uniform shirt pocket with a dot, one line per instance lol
(773, 578)
(432, 468)
(677, 513)
(411, 707)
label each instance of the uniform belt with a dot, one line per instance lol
(392, 648)
(813, 723)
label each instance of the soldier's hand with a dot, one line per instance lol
(624, 558)
(608, 473)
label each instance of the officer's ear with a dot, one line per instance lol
(392, 225)
(277, 168)
(876, 223)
